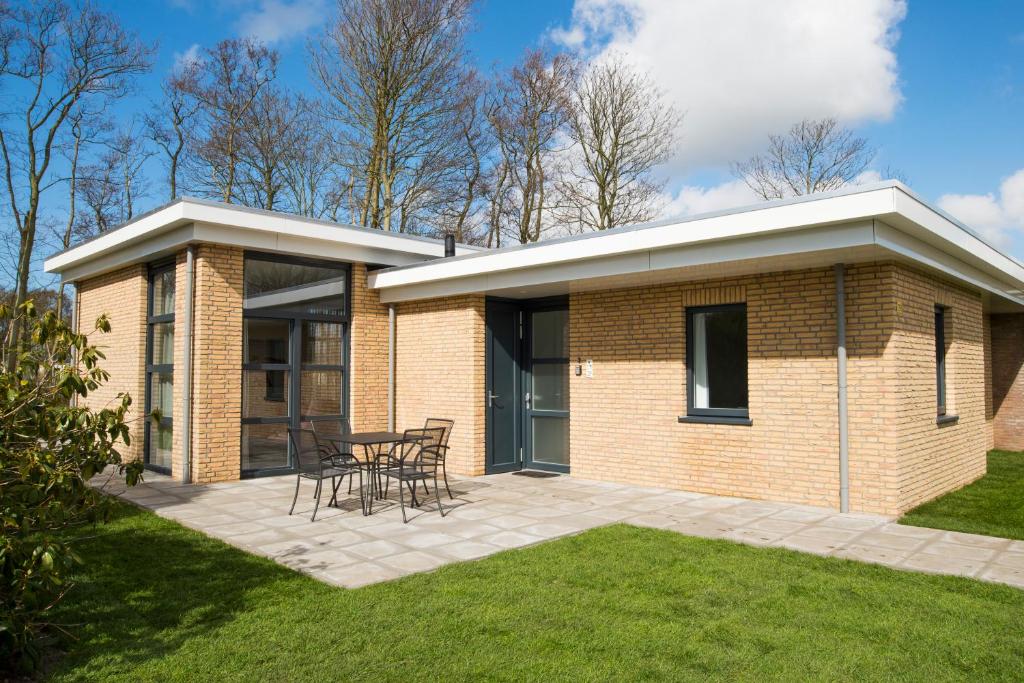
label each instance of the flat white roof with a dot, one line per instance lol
(872, 222)
(183, 221)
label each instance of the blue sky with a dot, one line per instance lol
(936, 85)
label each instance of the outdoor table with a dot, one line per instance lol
(373, 445)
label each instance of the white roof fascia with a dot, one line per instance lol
(242, 226)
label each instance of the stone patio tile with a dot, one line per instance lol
(510, 539)
(360, 574)
(1008, 559)
(257, 539)
(809, 544)
(752, 536)
(976, 540)
(808, 516)
(612, 514)
(511, 521)
(543, 513)
(840, 521)
(755, 510)
(881, 539)
(372, 550)
(424, 539)
(414, 561)
(654, 521)
(959, 552)
(322, 560)
(714, 502)
(552, 529)
(478, 511)
(470, 550)
(781, 526)
(683, 510)
(830, 533)
(288, 548)
(873, 554)
(203, 522)
(340, 538)
(1002, 574)
(574, 507)
(907, 530)
(701, 526)
(296, 520)
(943, 564)
(469, 529)
(235, 529)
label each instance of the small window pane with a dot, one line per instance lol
(719, 356)
(550, 389)
(161, 393)
(322, 343)
(266, 341)
(320, 392)
(551, 440)
(265, 393)
(163, 292)
(264, 446)
(163, 344)
(551, 334)
(291, 286)
(161, 445)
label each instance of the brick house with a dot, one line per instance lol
(857, 349)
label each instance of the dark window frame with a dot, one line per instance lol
(713, 415)
(155, 270)
(295, 365)
(941, 394)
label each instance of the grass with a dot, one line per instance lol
(993, 505)
(157, 601)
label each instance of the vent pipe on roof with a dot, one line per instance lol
(844, 427)
(449, 245)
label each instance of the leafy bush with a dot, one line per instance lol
(50, 446)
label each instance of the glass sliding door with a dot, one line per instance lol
(296, 347)
(158, 433)
(547, 400)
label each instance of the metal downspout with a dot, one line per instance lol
(391, 367)
(844, 427)
(186, 385)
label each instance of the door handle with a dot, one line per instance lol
(526, 398)
(490, 399)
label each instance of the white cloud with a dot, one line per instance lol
(189, 56)
(995, 216)
(273, 21)
(694, 199)
(741, 69)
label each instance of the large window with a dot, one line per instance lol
(716, 362)
(295, 350)
(159, 430)
(940, 360)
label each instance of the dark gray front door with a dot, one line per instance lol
(504, 452)
(546, 383)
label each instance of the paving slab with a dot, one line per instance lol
(499, 512)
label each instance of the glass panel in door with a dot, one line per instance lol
(548, 405)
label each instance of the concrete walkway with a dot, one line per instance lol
(494, 513)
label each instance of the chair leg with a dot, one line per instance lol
(401, 501)
(412, 491)
(444, 473)
(336, 484)
(296, 496)
(319, 486)
(437, 495)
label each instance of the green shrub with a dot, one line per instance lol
(50, 446)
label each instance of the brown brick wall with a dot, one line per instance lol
(368, 356)
(1008, 380)
(440, 373)
(217, 363)
(121, 295)
(934, 459)
(624, 420)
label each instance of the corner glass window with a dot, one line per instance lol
(940, 359)
(716, 367)
(159, 428)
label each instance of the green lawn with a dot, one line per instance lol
(160, 602)
(993, 505)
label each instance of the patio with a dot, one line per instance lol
(499, 512)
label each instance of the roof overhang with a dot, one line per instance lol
(884, 221)
(187, 221)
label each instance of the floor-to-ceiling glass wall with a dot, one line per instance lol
(295, 347)
(159, 427)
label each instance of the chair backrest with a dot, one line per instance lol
(440, 422)
(333, 428)
(429, 440)
(308, 447)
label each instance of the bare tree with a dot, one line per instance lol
(270, 135)
(100, 192)
(391, 70)
(814, 156)
(57, 55)
(312, 185)
(229, 81)
(130, 154)
(528, 113)
(621, 128)
(171, 124)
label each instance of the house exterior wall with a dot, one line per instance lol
(439, 372)
(121, 295)
(368, 356)
(624, 423)
(217, 364)
(1007, 332)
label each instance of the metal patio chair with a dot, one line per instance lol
(440, 449)
(411, 460)
(318, 464)
(332, 433)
